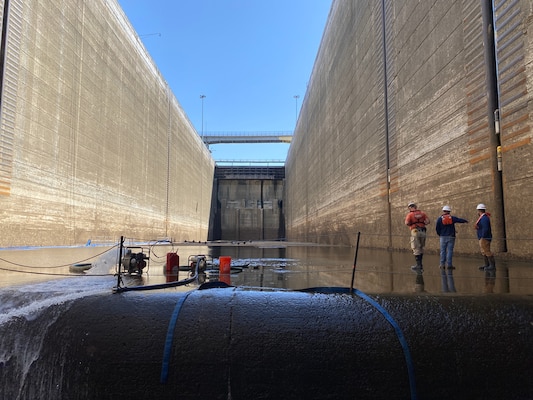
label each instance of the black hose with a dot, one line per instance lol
(167, 285)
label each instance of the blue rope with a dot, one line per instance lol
(401, 338)
(170, 337)
(388, 317)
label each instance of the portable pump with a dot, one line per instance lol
(134, 263)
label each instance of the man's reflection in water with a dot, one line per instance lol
(490, 279)
(448, 284)
(419, 281)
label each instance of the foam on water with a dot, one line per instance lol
(21, 343)
(28, 300)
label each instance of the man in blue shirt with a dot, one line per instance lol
(446, 230)
(484, 234)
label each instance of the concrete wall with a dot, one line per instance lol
(399, 108)
(93, 143)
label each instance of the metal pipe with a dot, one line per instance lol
(119, 261)
(355, 261)
(232, 343)
(489, 46)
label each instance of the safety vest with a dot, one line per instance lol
(417, 219)
(447, 219)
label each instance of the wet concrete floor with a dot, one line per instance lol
(277, 265)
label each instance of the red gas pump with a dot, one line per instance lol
(172, 267)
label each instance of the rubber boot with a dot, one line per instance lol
(418, 267)
(451, 282)
(444, 280)
(415, 267)
(482, 268)
(492, 264)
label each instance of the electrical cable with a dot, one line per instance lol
(51, 274)
(57, 266)
(152, 251)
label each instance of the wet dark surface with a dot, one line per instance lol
(265, 344)
(276, 265)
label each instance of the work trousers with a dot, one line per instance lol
(418, 240)
(447, 243)
(484, 245)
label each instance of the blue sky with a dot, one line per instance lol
(248, 57)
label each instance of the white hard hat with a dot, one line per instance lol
(411, 204)
(446, 208)
(481, 206)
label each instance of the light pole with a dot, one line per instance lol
(202, 97)
(296, 97)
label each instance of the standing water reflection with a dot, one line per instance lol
(279, 265)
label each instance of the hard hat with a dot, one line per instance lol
(481, 206)
(411, 204)
(446, 208)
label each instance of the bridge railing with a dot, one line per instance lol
(246, 163)
(247, 137)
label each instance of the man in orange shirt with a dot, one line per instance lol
(417, 220)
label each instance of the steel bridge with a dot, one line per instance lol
(246, 137)
(240, 169)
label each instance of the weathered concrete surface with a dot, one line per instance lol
(272, 345)
(397, 109)
(93, 143)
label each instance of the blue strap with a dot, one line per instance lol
(170, 337)
(388, 317)
(401, 338)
